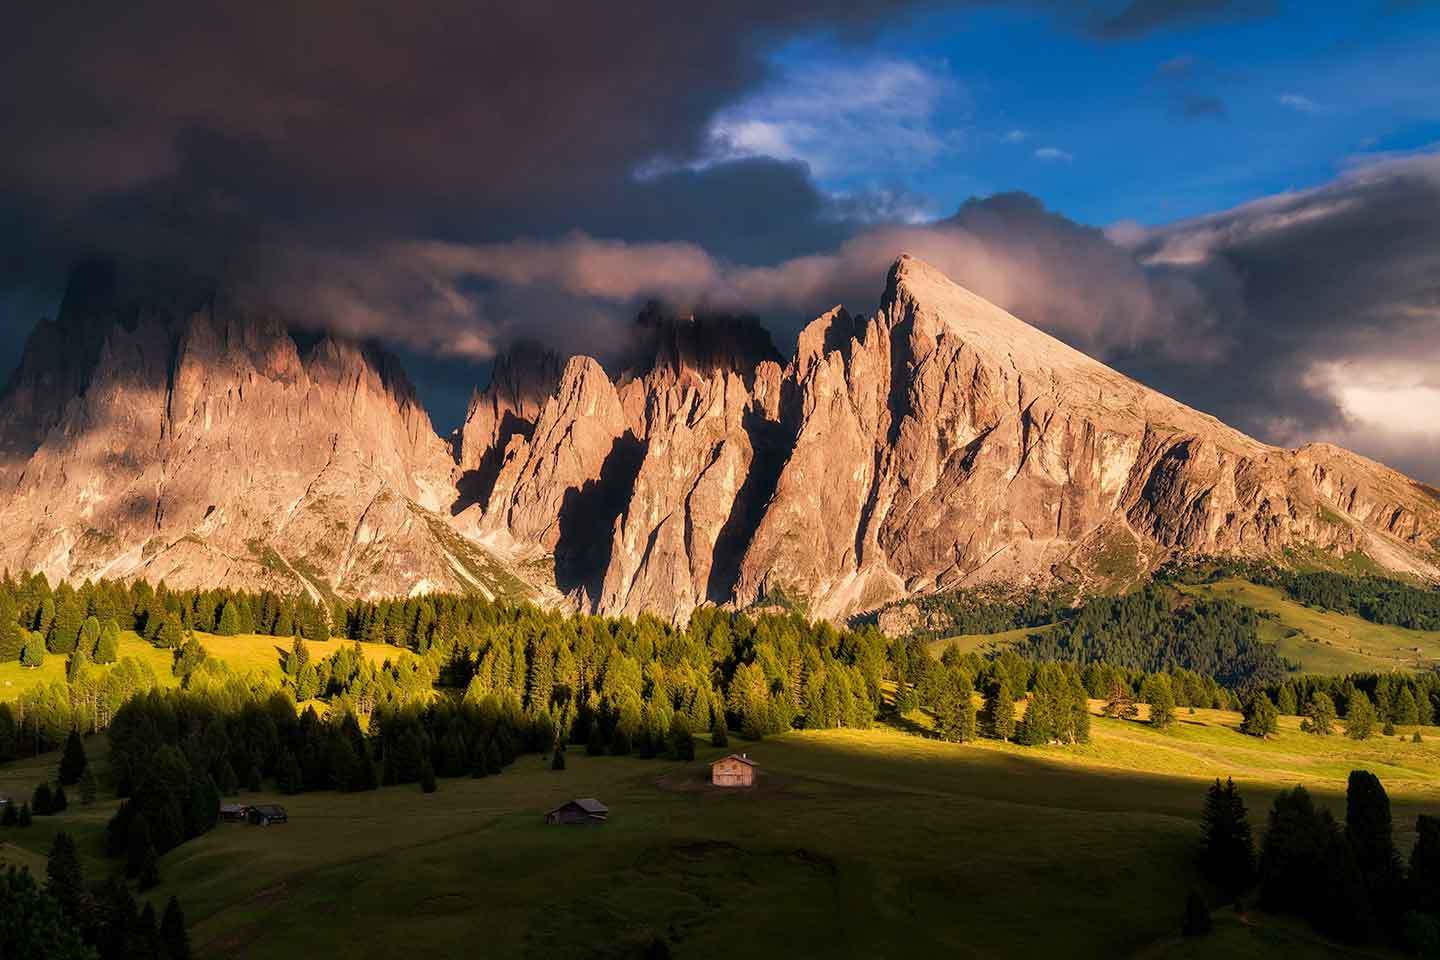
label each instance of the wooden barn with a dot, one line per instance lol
(584, 810)
(234, 812)
(736, 770)
(264, 814)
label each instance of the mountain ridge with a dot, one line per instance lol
(939, 443)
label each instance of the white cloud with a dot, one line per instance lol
(1053, 155)
(1015, 136)
(1300, 102)
(847, 119)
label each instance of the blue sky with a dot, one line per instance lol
(1172, 124)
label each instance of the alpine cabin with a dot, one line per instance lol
(736, 770)
(584, 810)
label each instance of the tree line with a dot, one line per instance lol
(1347, 879)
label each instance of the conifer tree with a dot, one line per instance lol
(289, 778)
(719, 736)
(1406, 710)
(107, 648)
(1000, 709)
(1261, 716)
(173, 938)
(12, 637)
(1285, 701)
(1369, 833)
(1359, 717)
(88, 786)
(74, 761)
(139, 847)
(63, 878)
(89, 636)
(23, 819)
(33, 653)
(41, 801)
(1424, 876)
(1319, 715)
(228, 624)
(75, 666)
(427, 778)
(557, 761)
(1157, 693)
(58, 801)
(65, 629)
(1227, 846)
(9, 734)
(9, 816)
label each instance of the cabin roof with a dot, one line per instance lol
(591, 805)
(737, 757)
(269, 809)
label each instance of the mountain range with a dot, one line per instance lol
(159, 428)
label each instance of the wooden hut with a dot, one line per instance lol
(736, 770)
(264, 814)
(584, 810)
(234, 812)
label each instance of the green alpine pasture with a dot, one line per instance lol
(243, 653)
(1327, 642)
(854, 843)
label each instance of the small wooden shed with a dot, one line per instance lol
(736, 770)
(264, 814)
(584, 810)
(234, 812)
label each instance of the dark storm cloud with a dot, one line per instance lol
(1333, 305)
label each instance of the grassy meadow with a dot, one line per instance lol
(1320, 641)
(244, 653)
(855, 843)
(1323, 641)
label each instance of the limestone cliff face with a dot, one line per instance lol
(937, 444)
(203, 446)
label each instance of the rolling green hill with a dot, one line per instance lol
(1324, 641)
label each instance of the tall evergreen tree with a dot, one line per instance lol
(9, 734)
(1369, 832)
(33, 653)
(12, 637)
(1261, 716)
(89, 636)
(173, 938)
(1227, 847)
(1319, 715)
(1425, 866)
(1000, 708)
(65, 629)
(107, 648)
(1360, 717)
(74, 761)
(64, 879)
(228, 624)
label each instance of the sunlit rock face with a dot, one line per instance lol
(939, 443)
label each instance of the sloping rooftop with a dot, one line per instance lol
(591, 805)
(740, 757)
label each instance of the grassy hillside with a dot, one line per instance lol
(1323, 641)
(243, 653)
(874, 843)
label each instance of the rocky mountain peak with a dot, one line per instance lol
(939, 443)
